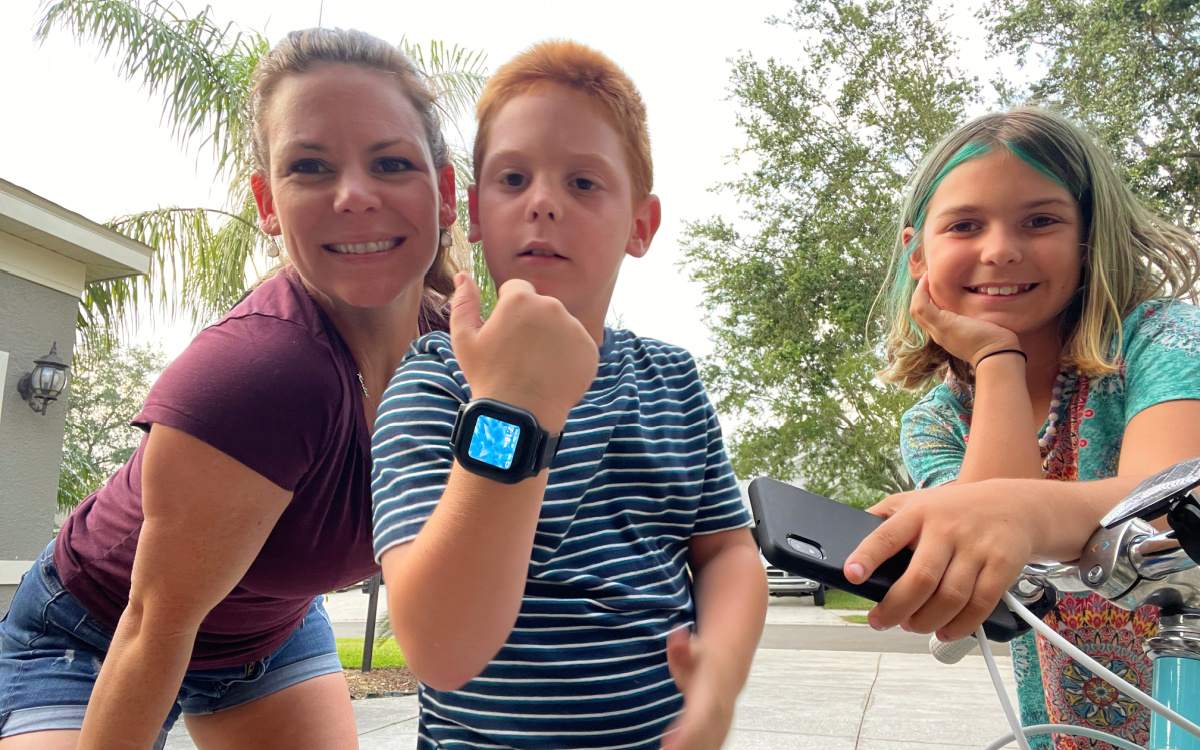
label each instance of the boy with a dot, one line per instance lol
(535, 605)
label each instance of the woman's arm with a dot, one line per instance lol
(970, 541)
(206, 518)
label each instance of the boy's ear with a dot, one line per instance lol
(646, 219)
(473, 233)
(268, 220)
(916, 259)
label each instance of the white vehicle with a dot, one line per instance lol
(782, 583)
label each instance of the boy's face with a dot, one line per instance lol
(554, 203)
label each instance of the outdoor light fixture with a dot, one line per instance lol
(45, 382)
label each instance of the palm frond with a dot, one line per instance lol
(464, 172)
(196, 266)
(217, 277)
(201, 69)
(457, 74)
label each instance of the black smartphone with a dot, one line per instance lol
(811, 536)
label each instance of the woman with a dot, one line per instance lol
(250, 495)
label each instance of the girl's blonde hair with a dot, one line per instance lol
(1130, 254)
(302, 51)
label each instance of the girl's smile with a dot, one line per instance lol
(1001, 289)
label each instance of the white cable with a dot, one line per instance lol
(1013, 720)
(1067, 730)
(1099, 670)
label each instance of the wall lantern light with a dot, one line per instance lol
(45, 382)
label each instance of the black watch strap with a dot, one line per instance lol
(545, 451)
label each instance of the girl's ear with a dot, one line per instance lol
(916, 259)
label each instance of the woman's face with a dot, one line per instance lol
(352, 188)
(1001, 243)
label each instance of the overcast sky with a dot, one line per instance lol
(76, 134)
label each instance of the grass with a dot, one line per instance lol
(835, 599)
(385, 654)
(387, 651)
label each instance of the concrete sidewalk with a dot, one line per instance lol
(797, 697)
(348, 612)
(792, 622)
(804, 700)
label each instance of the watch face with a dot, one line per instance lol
(494, 442)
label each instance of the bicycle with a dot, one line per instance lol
(1127, 561)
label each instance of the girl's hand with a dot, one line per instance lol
(969, 545)
(966, 338)
(530, 353)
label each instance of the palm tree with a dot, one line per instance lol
(202, 70)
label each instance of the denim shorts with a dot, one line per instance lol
(51, 650)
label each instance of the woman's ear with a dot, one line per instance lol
(916, 257)
(447, 198)
(268, 220)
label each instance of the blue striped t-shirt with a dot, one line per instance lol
(640, 470)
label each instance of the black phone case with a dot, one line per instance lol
(811, 536)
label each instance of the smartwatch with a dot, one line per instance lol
(501, 441)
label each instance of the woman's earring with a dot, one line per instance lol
(273, 250)
(446, 239)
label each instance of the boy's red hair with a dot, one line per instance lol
(584, 69)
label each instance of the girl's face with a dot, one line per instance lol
(353, 189)
(1001, 243)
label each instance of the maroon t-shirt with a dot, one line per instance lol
(273, 386)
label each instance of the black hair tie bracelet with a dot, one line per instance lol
(1000, 351)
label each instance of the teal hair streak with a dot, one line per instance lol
(966, 153)
(900, 286)
(1026, 157)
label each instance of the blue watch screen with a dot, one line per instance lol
(494, 442)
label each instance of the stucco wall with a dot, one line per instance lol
(32, 317)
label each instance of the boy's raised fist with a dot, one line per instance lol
(530, 353)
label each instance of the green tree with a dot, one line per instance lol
(1128, 68)
(789, 286)
(203, 255)
(108, 387)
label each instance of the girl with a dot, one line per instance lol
(1031, 282)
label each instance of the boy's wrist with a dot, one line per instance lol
(551, 418)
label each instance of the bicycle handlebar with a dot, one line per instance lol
(1130, 565)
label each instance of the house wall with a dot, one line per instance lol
(32, 317)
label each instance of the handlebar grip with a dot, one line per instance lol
(952, 652)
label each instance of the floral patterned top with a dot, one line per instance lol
(1160, 361)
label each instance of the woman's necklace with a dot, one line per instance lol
(364, 385)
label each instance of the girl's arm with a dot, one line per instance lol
(1003, 433)
(206, 518)
(971, 540)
